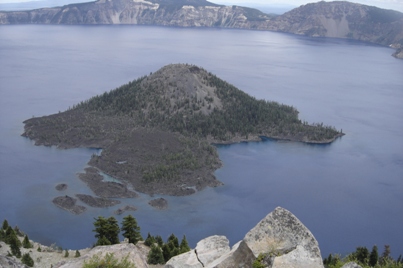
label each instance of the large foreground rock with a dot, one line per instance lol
(281, 235)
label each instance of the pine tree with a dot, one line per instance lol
(26, 243)
(66, 253)
(5, 225)
(172, 238)
(166, 252)
(77, 254)
(14, 246)
(113, 230)
(329, 259)
(103, 241)
(2, 235)
(184, 246)
(9, 235)
(131, 230)
(27, 260)
(373, 257)
(155, 256)
(362, 255)
(385, 255)
(150, 240)
(158, 239)
(107, 230)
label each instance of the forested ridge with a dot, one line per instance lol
(190, 113)
(156, 131)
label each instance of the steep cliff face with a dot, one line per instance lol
(338, 19)
(343, 20)
(186, 13)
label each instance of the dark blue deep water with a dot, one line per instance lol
(349, 193)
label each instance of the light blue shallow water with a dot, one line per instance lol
(349, 193)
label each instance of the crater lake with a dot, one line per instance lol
(348, 193)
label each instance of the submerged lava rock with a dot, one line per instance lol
(159, 203)
(68, 203)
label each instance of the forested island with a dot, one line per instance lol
(158, 131)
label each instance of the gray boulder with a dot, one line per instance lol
(239, 256)
(351, 265)
(281, 235)
(206, 252)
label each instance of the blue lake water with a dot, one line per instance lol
(349, 193)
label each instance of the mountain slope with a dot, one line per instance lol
(156, 131)
(342, 19)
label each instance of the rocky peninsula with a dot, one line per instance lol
(157, 131)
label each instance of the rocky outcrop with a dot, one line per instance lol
(282, 235)
(10, 262)
(135, 254)
(280, 238)
(398, 54)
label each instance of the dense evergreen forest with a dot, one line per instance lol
(183, 110)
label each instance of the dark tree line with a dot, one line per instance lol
(107, 233)
(365, 258)
(162, 252)
(107, 230)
